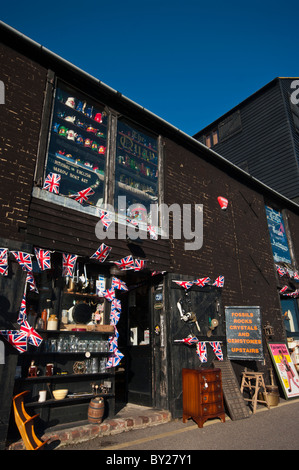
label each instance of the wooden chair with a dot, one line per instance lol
(25, 424)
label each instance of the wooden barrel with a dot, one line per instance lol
(96, 410)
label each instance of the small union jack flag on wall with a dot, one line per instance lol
(201, 282)
(24, 260)
(82, 196)
(115, 359)
(139, 264)
(217, 349)
(68, 264)
(125, 263)
(43, 258)
(17, 338)
(102, 253)
(219, 282)
(118, 284)
(4, 261)
(184, 284)
(201, 351)
(33, 337)
(109, 294)
(52, 183)
(105, 219)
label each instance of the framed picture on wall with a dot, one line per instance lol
(285, 369)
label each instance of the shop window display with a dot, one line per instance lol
(136, 170)
(78, 145)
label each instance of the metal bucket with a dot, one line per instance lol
(272, 394)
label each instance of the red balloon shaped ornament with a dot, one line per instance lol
(223, 202)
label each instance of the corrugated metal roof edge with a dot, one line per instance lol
(189, 139)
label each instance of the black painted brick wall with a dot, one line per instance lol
(20, 119)
(236, 243)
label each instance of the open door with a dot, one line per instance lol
(134, 377)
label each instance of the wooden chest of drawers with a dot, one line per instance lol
(202, 395)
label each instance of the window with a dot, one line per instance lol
(136, 172)
(212, 138)
(79, 152)
(78, 145)
(230, 126)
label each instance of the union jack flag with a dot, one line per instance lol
(113, 341)
(125, 263)
(114, 316)
(189, 340)
(31, 281)
(283, 289)
(217, 349)
(43, 258)
(114, 359)
(139, 264)
(52, 183)
(24, 260)
(219, 282)
(82, 196)
(4, 261)
(109, 294)
(152, 232)
(118, 284)
(201, 282)
(17, 338)
(294, 294)
(296, 276)
(201, 351)
(33, 337)
(116, 303)
(132, 221)
(22, 312)
(281, 271)
(114, 338)
(184, 284)
(105, 219)
(68, 264)
(102, 253)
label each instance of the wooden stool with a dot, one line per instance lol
(254, 381)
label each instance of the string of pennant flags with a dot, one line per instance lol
(284, 271)
(27, 334)
(201, 347)
(201, 282)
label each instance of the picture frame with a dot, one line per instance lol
(285, 369)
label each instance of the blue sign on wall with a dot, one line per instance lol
(279, 242)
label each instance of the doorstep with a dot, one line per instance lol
(129, 418)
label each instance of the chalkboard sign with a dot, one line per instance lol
(244, 333)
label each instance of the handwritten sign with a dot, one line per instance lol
(279, 242)
(244, 333)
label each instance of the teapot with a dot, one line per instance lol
(70, 102)
(71, 134)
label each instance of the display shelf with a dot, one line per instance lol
(65, 377)
(68, 400)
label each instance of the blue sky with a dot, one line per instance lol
(188, 61)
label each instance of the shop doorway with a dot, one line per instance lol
(134, 376)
